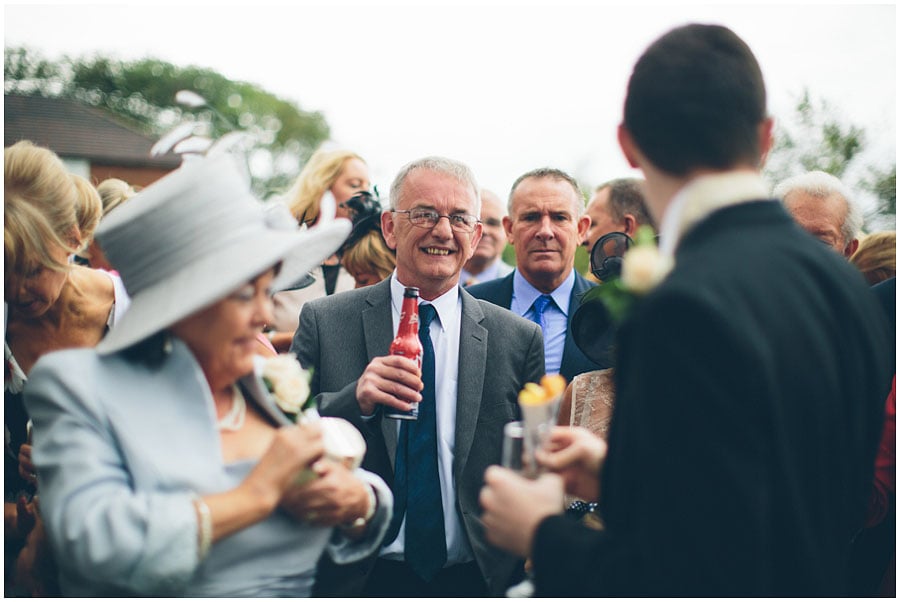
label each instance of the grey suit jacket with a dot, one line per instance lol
(498, 353)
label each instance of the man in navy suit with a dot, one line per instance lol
(546, 223)
(750, 382)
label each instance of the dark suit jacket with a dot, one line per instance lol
(750, 394)
(499, 292)
(498, 353)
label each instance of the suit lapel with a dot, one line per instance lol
(571, 352)
(472, 362)
(378, 332)
(505, 292)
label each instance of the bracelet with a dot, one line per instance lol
(204, 527)
(370, 511)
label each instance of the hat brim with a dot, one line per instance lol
(212, 278)
(594, 332)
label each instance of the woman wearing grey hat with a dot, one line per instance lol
(165, 467)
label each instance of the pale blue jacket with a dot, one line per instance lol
(120, 450)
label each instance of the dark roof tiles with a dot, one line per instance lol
(72, 129)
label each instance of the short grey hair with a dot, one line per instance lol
(822, 185)
(454, 169)
(626, 195)
(554, 174)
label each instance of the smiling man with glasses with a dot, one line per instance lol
(482, 356)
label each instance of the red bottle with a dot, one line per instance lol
(407, 343)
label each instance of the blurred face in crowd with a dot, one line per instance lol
(222, 336)
(493, 238)
(821, 217)
(363, 279)
(601, 221)
(353, 179)
(34, 293)
(545, 230)
(431, 258)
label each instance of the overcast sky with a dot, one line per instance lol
(501, 87)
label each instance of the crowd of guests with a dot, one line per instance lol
(731, 434)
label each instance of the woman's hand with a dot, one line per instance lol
(26, 466)
(577, 455)
(336, 497)
(293, 449)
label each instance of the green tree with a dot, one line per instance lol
(816, 137)
(143, 93)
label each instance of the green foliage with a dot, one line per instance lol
(817, 140)
(583, 260)
(816, 137)
(509, 254)
(143, 92)
(882, 184)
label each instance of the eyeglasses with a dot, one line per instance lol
(429, 218)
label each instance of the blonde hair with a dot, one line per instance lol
(370, 254)
(114, 192)
(39, 201)
(88, 209)
(318, 175)
(876, 256)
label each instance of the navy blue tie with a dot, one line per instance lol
(417, 483)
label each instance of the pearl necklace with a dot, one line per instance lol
(234, 419)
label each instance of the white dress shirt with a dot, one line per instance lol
(444, 332)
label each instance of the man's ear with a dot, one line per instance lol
(630, 225)
(626, 143)
(507, 227)
(766, 139)
(851, 248)
(387, 228)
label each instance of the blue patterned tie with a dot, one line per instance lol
(417, 484)
(539, 305)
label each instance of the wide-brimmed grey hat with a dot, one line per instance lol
(192, 238)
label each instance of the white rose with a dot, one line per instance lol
(288, 382)
(643, 267)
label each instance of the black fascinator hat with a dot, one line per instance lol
(593, 328)
(607, 253)
(365, 215)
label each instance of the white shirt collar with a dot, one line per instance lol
(524, 293)
(702, 196)
(445, 306)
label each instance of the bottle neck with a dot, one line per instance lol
(409, 317)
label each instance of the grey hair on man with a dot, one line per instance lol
(553, 173)
(820, 188)
(627, 196)
(449, 167)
